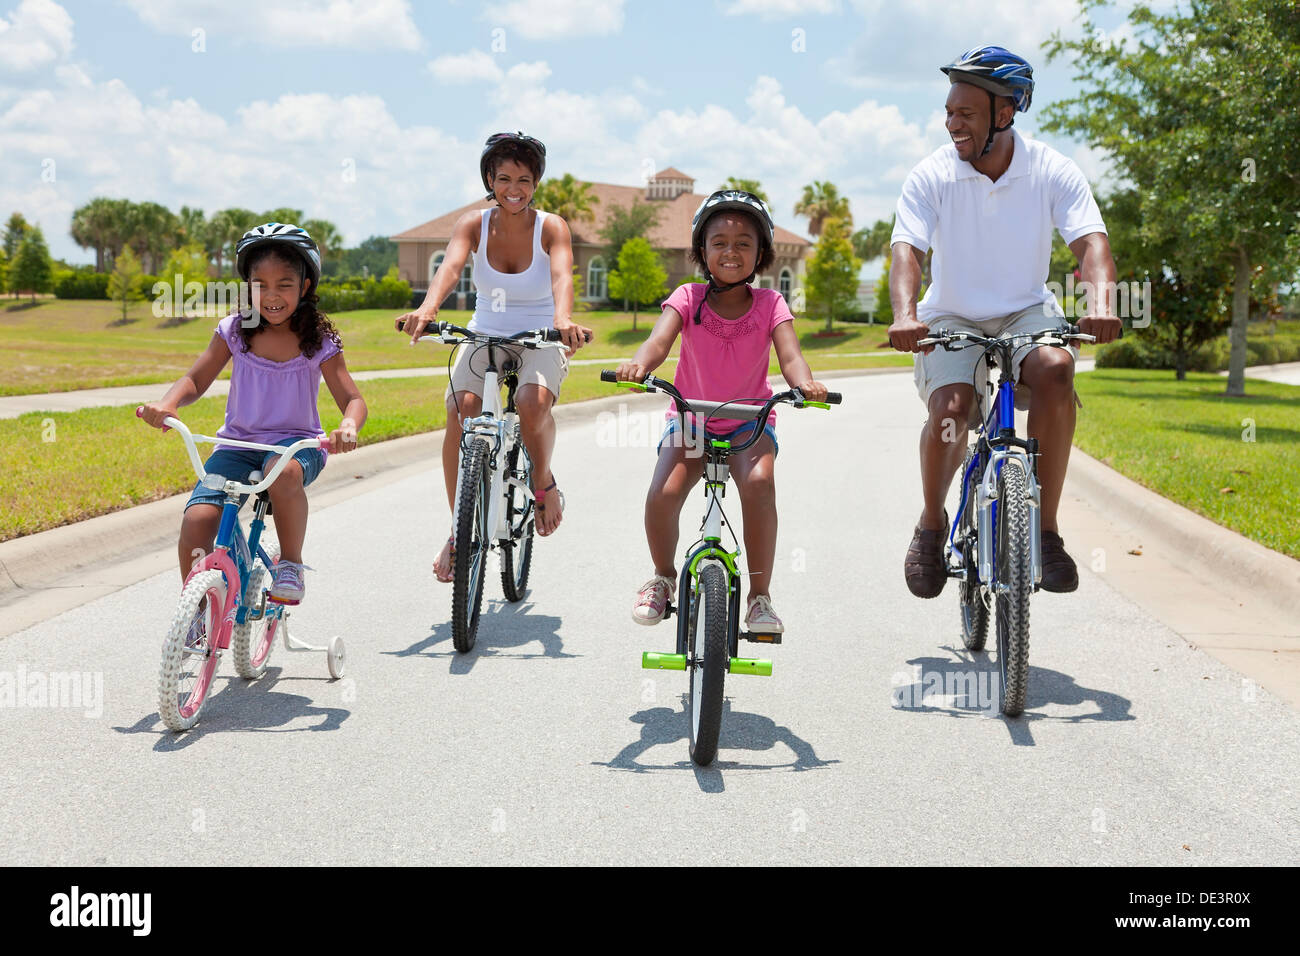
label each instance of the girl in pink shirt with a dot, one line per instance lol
(727, 330)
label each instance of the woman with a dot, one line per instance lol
(523, 276)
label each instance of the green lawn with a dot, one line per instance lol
(64, 344)
(1189, 442)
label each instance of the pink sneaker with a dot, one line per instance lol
(289, 587)
(652, 600)
(761, 619)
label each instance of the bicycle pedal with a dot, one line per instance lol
(668, 610)
(761, 638)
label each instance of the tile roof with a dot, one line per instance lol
(672, 173)
(673, 230)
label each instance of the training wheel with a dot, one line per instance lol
(334, 657)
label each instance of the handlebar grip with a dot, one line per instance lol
(553, 335)
(139, 413)
(607, 376)
(833, 398)
(324, 442)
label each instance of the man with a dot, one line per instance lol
(987, 203)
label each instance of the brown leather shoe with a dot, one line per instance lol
(923, 567)
(1059, 571)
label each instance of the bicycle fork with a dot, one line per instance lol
(985, 516)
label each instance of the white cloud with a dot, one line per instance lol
(37, 33)
(772, 9)
(468, 67)
(552, 19)
(358, 24)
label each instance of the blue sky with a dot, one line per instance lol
(371, 113)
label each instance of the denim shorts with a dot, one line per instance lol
(735, 436)
(236, 464)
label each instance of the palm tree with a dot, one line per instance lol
(822, 201)
(745, 185)
(283, 214)
(566, 197)
(224, 229)
(153, 232)
(872, 242)
(326, 235)
(104, 225)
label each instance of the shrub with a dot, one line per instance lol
(81, 285)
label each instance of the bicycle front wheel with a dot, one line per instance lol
(1016, 583)
(707, 661)
(472, 544)
(517, 553)
(191, 650)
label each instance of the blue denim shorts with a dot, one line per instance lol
(735, 436)
(236, 464)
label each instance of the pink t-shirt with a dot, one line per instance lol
(724, 359)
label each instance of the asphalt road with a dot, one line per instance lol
(548, 744)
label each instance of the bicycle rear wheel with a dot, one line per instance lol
(191, 650)
(974, 612)
(707, 661)
(517, 554)
(472, 545)
(1016, 580)
(252, 641)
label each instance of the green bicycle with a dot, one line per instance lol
(708, 629)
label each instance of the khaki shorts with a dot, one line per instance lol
(546, 367)
(963, 367)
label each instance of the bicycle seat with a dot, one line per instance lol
(253, 478)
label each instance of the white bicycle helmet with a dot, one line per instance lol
(282, 235)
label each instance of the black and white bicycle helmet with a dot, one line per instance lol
(721, 201)
(282, 235)
(496, 140)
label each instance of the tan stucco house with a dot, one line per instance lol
(420, 250)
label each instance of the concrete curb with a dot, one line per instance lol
(1219, 553)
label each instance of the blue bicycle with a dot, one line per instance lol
(994, 545)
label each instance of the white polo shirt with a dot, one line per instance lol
(992, 240)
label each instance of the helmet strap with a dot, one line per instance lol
(716, 287)
(993, 118)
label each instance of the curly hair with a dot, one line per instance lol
(766, 254)
(518, 152)
(310, 324)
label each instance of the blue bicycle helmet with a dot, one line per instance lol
(999, 72)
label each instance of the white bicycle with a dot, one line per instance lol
(494, 497)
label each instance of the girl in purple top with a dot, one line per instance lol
(280, 354)
(728, 330)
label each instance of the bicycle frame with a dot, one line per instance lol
(500, 428)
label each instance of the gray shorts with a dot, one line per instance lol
(546, 367)
(963, 366)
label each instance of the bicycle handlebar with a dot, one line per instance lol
(743, 412)
(285, 451)
(954, 341)
(443, 330)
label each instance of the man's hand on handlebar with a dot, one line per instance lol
(416, 323)
(906, 332)
(1106, 328)
(573, 335)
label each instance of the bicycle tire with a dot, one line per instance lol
(251, 643)
(1016, 576)
(708, 662)
(974, 612)
(472, 546)
(185, 676)
(517, 553)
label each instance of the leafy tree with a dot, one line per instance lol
(32, 271)
(193, 227)
(294, 217)
(4, 270)
(14, 231)
(1198, 116)
(882, 309)
(872, 242)
(326, 234)
(624, 223)
(747, 185)
(153, 230)
(570, 199)
(821, 201)
(640, 278)
(832, 272)
(124, 283)
(224, 229)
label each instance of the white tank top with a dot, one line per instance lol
(510, 302)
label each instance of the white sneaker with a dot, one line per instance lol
(761, 619)
(652, 600)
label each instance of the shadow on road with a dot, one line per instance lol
(250, 706)
(502, 627)
(740, 731)
(970, 685)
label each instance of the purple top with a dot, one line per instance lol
(271, 401)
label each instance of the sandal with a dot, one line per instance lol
(451, 563)
(540, 507)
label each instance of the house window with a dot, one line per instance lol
(466, 284)
(434, 261)
(786, 284)
(597, 279)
